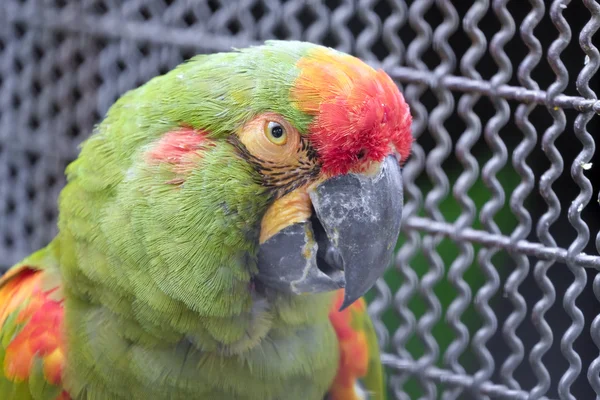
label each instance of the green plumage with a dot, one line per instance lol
(157, 275)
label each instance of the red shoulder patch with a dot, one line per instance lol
(33, 312)
(354, 350)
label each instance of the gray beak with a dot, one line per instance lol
(347, 243)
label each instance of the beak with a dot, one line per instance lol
(347, 242)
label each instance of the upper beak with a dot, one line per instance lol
(347, 242)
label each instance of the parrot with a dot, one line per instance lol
(216, 235)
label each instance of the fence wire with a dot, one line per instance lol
(496, 230)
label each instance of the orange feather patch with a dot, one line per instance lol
(360, 115)
(40, 318)
(354, 351)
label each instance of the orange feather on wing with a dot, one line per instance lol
(354, 349)
(38, 318)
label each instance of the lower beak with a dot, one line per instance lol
(348, 241)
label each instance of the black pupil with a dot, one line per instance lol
(277, 132)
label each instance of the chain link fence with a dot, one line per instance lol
(494, 292)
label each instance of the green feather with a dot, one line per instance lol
(38, 386)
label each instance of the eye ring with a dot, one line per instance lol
(276, 133)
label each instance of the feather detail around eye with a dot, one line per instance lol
(283, 165)
(281, 178)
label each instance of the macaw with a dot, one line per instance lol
(216, 235)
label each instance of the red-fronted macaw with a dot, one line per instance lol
(205, 234)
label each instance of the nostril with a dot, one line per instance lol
(329, 259)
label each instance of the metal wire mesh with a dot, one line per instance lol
(495, 231)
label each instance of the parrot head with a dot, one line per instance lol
(298, 144)
(344, 205)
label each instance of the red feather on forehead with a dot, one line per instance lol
(360, 115)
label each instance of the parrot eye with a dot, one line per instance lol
(275, 133)
(269, 137)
